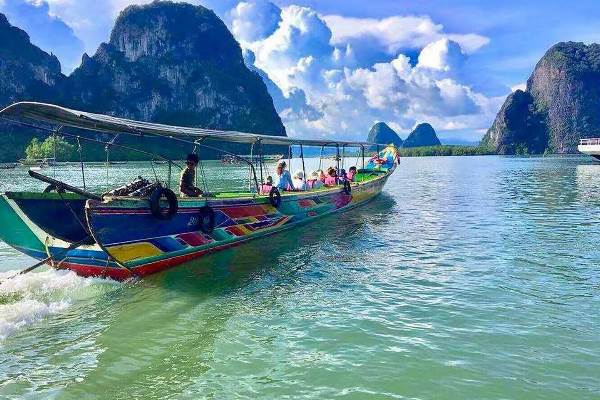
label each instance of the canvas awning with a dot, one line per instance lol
(66, 117)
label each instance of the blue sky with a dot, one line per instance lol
(336, 67)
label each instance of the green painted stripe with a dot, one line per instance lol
(14, 231)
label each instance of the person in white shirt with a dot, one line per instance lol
(298, 181)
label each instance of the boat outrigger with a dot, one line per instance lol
(122, 234)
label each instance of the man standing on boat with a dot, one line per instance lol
(187, 182)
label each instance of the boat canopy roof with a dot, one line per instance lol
(66, 117)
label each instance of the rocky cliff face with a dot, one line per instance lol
(559, 107)
(26, 73)
(166, 62)
(422, 135)
(517, 127)
(178, 64)
(382, 133)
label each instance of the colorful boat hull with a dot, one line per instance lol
(120, 237)
(137, 241)
(23, 234)
(128, 241)
(61, 215)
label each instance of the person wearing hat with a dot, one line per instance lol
(283, 179)
(298, 181)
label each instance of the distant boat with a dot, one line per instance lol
(116, 162)
(39, 163)
(590, 146)
(8, 166)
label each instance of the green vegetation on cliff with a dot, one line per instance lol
(446, 150)
(53, 147)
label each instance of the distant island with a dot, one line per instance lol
(559, 106)
(422, 135)
(422, 142)
(382, 133)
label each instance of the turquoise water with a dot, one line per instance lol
(474, 277)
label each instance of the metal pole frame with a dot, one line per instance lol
(337, 158)
(362, 148)
(260, 160)
(302, 157)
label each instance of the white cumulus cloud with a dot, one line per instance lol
(371, 38)
(254, 20)
(350, 72)
(441, 55)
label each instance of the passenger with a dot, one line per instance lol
(331, 179)
(342, 176)
(376, 159)
(351, 174)
(298, 181)
(266, 187)
(322, 176)
(187, 180)
(283, 179)
(314, 182)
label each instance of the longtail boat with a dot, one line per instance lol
(121, 236)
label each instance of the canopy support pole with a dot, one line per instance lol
(362, 150)
(260, 160)
(303, 166)
(169, 175)
(337, 159)
(321, 158)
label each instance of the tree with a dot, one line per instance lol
(53, 146)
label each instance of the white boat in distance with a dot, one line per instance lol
(590, 146)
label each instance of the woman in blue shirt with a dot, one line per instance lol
(283, 179)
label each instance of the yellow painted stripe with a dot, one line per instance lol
(134, 251)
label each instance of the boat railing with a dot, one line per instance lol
(589, 142)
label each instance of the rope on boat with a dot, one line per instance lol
(80, 150)
(203, 175)
(85, 227)
(54, 163)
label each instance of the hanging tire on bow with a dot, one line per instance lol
(157, 210)
(275, 197)
(207, 219)
(347, 187)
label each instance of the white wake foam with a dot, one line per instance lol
(26, 312)
(29, 298)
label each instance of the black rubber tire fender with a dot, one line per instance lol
(155, 208)
(347, 187)
(275, 197)
(206, 215)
